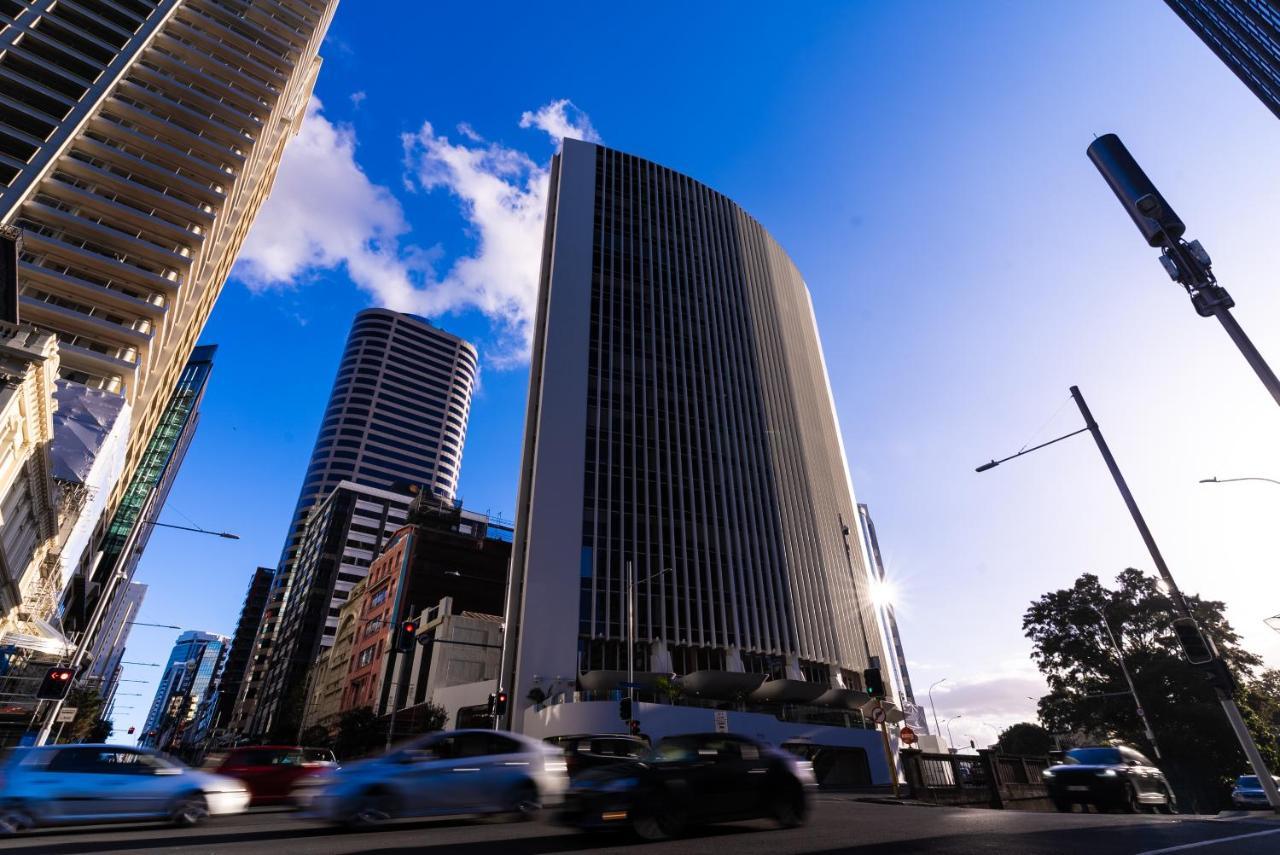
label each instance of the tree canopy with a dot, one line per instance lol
(1027, 739)
(1088, 693)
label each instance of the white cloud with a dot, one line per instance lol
(357, 98)
(325, 213)
(503, 196)
(561, 119)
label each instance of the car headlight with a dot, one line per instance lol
(1111, 773)
(1047, 773)
(619, 785)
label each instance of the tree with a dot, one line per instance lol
(359, 733)
(1027, 739)
(316, 737)
(427, 718)
(1087, 692)
(88, 725)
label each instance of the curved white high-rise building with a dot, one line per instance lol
(680, 421)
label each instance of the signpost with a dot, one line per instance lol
(878, 715)
(722, 721)
(66, 715)
(907, 736)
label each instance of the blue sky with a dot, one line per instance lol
(923, 164)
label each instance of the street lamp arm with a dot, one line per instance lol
(225, 534)
(1216, 480)
(994, 463)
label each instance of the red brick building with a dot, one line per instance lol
(376, 618)
(444, 551)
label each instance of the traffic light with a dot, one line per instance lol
(873, 682)
(624, 709)
(1198, 649)
(131, 730)
(633, 727)
(56, 684)
(500, 703)
(408, 634)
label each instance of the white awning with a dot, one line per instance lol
(48, 640)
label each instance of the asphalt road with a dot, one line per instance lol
(838, 824)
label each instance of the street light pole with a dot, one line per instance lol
(1124, 668)
(1229, 707)
(99, 612)
(951, 743)
(632, 583)
(936, 726)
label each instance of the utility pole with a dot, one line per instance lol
(1142, 713)
(1229, 707)
(1216, 668)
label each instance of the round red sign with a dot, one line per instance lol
(907, 735)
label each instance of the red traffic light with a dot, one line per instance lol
(408, 635)
(56, 684)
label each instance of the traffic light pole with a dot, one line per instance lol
(1229, 707)
(82, 647)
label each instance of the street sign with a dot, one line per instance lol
(907, 735)
(66, 715)
(626, 685)
(878, 715)
(722, 721)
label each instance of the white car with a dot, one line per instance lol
(457, 772)
(69, 784)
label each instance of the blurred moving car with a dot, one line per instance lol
(691, 780)
(67, 784)
(456, 772)
(1115, 777)
(591, 751)
(1247, 794)
(273, 772)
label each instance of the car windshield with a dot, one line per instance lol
(616, 747)
(268, 757)
(1248, 781)
(317, 755)
(1094, 756)
(673, 751)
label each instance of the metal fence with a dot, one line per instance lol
(985, 779)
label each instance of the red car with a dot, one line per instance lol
(271, 772)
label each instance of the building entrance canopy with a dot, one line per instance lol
(46, 639)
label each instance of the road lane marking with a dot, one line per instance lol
(1185, 846)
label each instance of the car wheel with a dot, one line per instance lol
(1170, 805)
(789, 808)
(14, 818)
(373, 808)
(659, 821)
(522, 805)
(1129, 800)
(188, 810)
